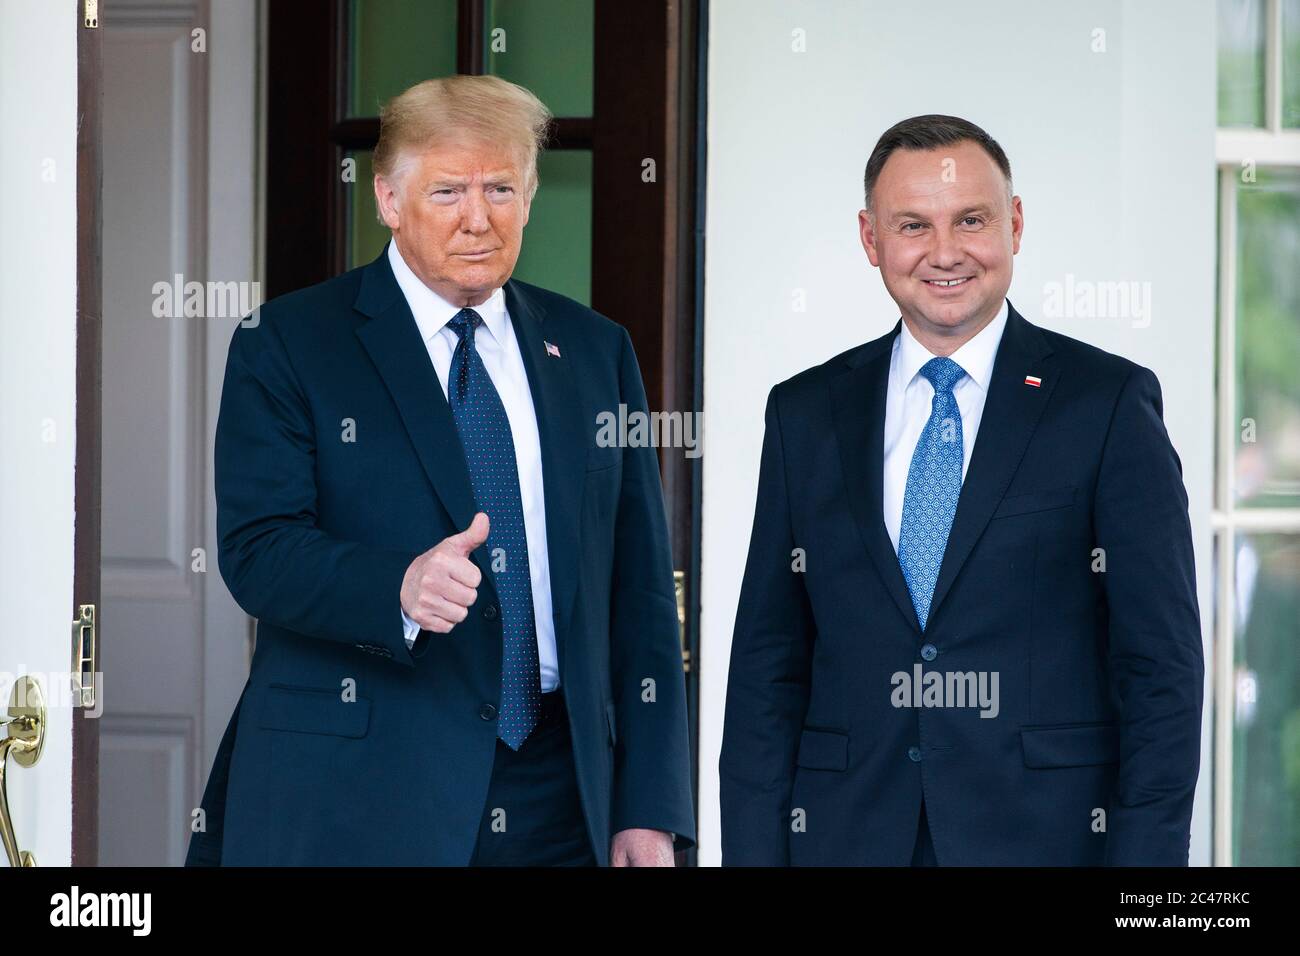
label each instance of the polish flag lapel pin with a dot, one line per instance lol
(551, 349)
(1034, 380)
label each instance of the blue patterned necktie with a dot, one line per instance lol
(494, 475)
(933, 487)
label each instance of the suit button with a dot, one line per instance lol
(914, 754)
(929, 652)
(490, 612)
(487, 712)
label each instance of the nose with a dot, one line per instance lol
(474, 212)
(945, 252)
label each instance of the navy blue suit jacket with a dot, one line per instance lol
(1093, 755)
(316, 534)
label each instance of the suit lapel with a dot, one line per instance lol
(562, 430)
(392, 339)
(1011, 412)
(858, 409)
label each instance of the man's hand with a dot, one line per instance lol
(441, 584)
(641, 848)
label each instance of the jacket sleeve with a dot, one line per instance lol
(279, 566)
(768, 683)
(652, 764)
(1154, 651)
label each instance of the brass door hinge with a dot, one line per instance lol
(679, 586)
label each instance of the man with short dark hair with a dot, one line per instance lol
(951, 651)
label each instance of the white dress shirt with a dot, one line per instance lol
(497, 346)
(910, 395)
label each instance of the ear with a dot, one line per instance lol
(867, 232)
(387, 200)
(1017, 224)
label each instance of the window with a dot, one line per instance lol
(1256, 516)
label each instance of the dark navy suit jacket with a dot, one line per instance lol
(316, 534)
(1093, 755)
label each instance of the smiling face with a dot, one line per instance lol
(458, 214)
(943, 233)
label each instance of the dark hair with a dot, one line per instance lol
(930, 132)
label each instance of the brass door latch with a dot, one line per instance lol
(24, 737)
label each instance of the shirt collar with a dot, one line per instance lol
(432, 311)
(975, 356)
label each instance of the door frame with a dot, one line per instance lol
(87, 488)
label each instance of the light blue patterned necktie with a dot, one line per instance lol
(933, 487)
(494, 475)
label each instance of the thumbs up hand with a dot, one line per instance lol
(440, 585)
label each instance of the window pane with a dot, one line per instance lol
(1266, 737)
(546, 46)
(1291, 63)
(395, 44)
(366, 234)
(1268, 340)
(1241, 62)
(556, 252)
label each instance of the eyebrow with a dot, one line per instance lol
(496, 179)
(908, 214)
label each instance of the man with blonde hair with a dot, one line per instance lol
(467, 647)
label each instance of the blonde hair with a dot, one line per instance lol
(479, 108)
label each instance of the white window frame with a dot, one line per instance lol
(1269, 146)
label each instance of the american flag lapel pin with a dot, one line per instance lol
(1034, 380)
(551, 349)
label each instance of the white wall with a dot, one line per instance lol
(1112, 153)
(38, 337)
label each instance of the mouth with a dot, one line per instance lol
(948, 283)
(475, 256)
